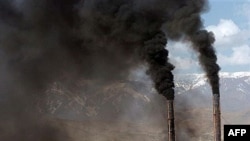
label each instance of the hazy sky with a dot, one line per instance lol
(230, 22)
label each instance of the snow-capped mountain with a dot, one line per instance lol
(137, 102)
(187, 82)
(234, 89)
(90, 99)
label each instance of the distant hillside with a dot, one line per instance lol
(121, 106)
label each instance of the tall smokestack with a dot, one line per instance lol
(203, 41)
(171, 125)
(216, 117)
(160, 71)
(186, 21)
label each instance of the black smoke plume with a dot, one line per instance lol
(186, 21)
(159, 67)
(45, 41)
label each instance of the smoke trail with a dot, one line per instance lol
(159, 67)
(202, 43)
(186, 21)
(50, 40)
(137, 25)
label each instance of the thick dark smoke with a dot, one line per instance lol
(159, 67)
(203, 44)
(186, 21)
(65, 40)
